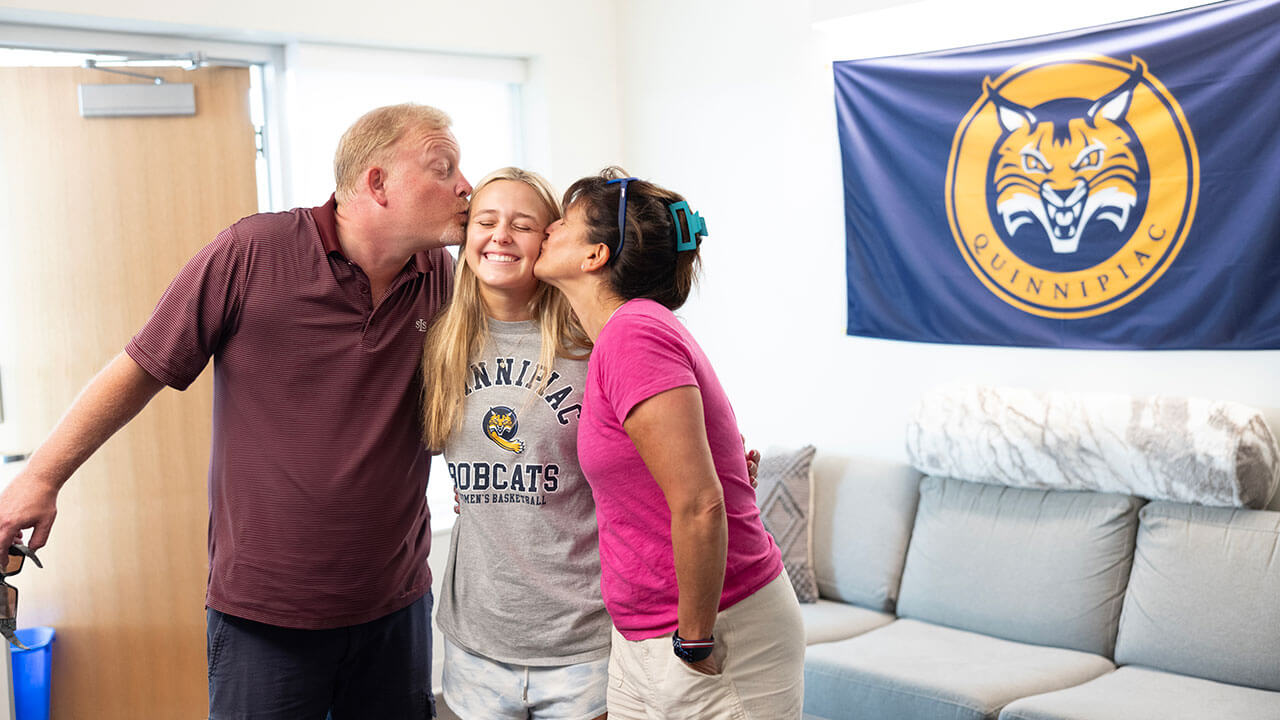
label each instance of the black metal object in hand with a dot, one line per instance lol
(13, 562)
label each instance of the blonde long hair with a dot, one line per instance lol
(461, 331)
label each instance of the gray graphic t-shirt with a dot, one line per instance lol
(522, 584)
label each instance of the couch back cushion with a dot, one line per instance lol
(1037, 566)
(862, 514)
(1204, 597)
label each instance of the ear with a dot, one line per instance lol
(597, 258)
(1115, 104)
(376, 180)
(1012, 115)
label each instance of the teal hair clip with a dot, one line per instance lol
(697, 226)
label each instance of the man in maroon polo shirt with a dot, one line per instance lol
(316, 319)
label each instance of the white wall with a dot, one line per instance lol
(570, 45)
(731, 103)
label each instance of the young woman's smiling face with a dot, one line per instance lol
(507, 225)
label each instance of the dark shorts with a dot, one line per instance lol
(380, 669)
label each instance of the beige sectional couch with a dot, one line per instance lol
(948, 599)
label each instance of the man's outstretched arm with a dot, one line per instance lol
(106, 404)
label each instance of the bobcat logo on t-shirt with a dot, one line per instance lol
(500, 425)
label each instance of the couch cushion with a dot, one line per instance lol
(1169, 448)
(862, 514)
(909, 670)
(785, 497)
(825, 621)
(1204, 597)
(1134, 693)
(1035, 566)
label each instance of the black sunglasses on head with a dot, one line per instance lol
(622, 210)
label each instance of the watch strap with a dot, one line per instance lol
(692, 650)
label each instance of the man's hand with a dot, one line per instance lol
(28, 502)
(109, 401)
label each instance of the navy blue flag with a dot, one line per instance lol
(1108, 188)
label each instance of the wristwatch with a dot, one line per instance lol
(692, 650)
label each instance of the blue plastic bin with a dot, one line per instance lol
(31, 673)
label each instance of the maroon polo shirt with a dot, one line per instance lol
(317, 476)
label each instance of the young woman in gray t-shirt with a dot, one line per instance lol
(525, 630)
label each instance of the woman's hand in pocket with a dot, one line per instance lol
(707, 666)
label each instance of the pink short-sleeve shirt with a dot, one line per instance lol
(643, 351)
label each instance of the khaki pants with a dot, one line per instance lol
(760, 646)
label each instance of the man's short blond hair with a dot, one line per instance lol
(368, 141)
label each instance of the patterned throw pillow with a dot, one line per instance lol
(784, 494)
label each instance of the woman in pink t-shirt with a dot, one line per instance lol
(706, 624)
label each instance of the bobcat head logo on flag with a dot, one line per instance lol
(1072, 184)
(1066, 162)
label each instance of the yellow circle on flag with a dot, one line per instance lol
(1051, 151)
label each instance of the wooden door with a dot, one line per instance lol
(96, 216)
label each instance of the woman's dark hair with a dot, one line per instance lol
(649, 265)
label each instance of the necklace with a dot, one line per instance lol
(509, 339)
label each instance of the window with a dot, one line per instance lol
(331, 86)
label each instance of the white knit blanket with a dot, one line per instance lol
(1171, 448)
